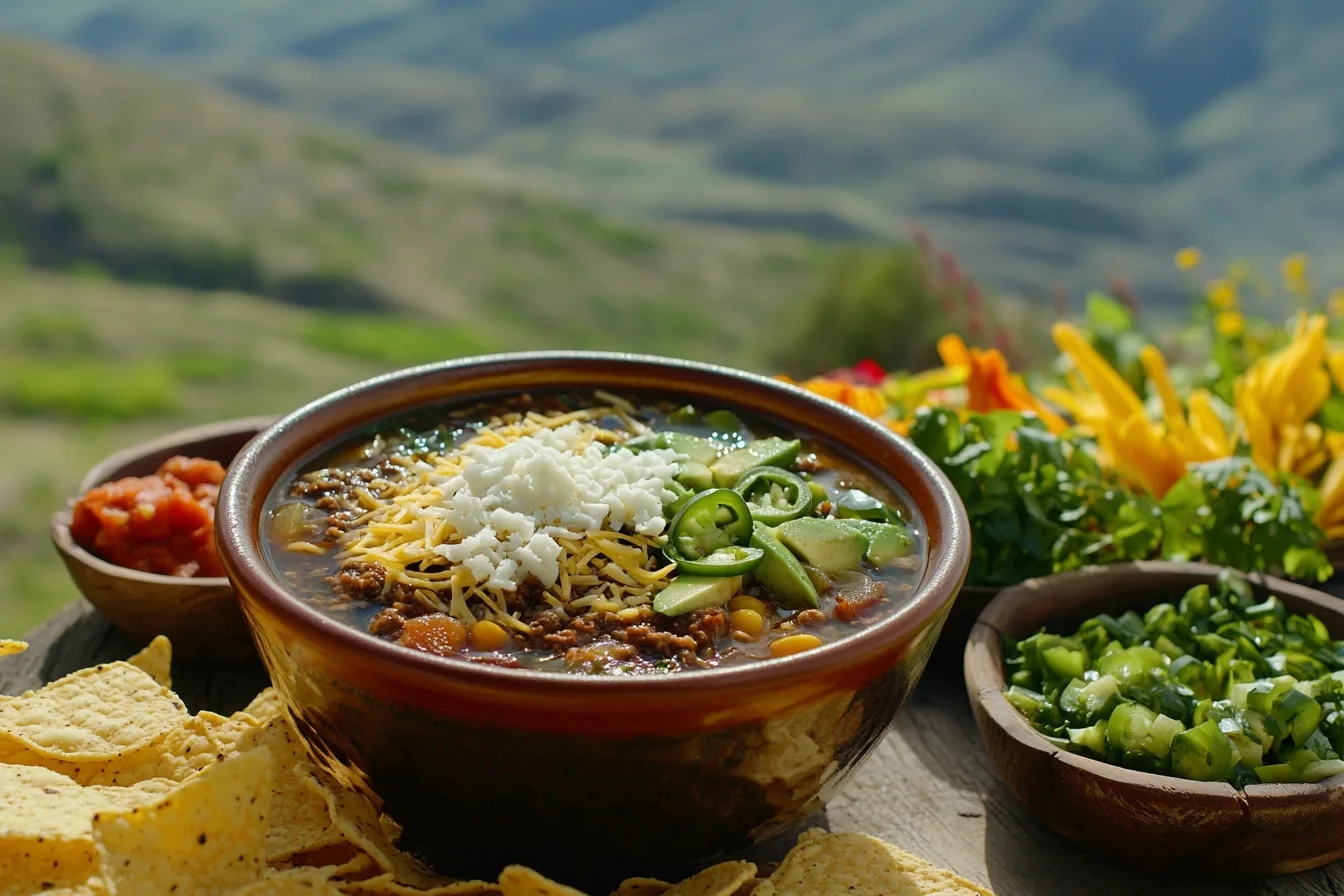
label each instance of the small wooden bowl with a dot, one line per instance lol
(200, 616)
(1160, 823)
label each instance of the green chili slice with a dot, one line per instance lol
(775, 495)
(735, 560)
(711, 520)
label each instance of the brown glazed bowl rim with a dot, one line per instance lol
(101, 473)
(298, 436)
(986, 681)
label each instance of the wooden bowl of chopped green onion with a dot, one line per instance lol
(1174, 716)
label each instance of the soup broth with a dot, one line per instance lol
(592, 534)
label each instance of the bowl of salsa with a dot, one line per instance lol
(590, 580)
(138, 540)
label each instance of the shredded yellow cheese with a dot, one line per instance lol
(408, 525)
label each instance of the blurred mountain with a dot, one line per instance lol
(150, 180)
(1047, 141)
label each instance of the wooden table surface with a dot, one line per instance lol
(928, 788)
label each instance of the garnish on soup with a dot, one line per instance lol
(595, 537)
(162, 524)
(1217, 687)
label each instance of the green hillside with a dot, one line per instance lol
(1048, 143)
(161, 182)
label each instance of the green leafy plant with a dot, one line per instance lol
(1041, 504)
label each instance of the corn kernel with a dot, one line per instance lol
(747, 602)
(746, 621)
(487, 635)
(791, 644)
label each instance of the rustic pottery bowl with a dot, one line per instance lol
(586, 778)
(200, 616)
(1161, 823)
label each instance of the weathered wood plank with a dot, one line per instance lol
(929, 786)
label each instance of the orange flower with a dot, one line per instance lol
(864, 399)
(990, 386)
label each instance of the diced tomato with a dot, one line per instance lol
(160, 524)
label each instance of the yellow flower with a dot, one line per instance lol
(1239, 270)
(1144, 452)
(1229, 324)
(1189, 258)
(1278, 395)
(1221, 293)
(1294, 271)
(1337, 302)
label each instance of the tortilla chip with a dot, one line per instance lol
(205, 837)
(300, 820)
(46, 828)
(54, 870)
(343, 860)
(719, 880)
(386, 885)
(95, 714)
(825, 864)
(354, 815)
(156, 660)
(9, 648)
(265, 706)
(175, 756)
(290, 882)
(516, 880)
(229, 732)
(642, 886)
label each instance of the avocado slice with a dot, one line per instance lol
(686, 593)
(727, 426)
(771, 452)
(829, 545)
(780, 573)
(696, 449)
(695, 476)
(886, 541)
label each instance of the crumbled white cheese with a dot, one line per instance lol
(510, 503)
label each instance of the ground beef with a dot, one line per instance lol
(546, 622)
(525, 596)
(387, 624)
(561, 640)
(656, 642)
(811, 617)
(702, 626)
(326, 483)
(596, 656)
(359, 581)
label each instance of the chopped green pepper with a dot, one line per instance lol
(1215, 687)
(1202, 753)
(711, 520)
(775, 495)
(734, 560)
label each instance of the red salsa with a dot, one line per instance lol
(161, 524)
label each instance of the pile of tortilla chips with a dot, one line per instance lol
(109, 787)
